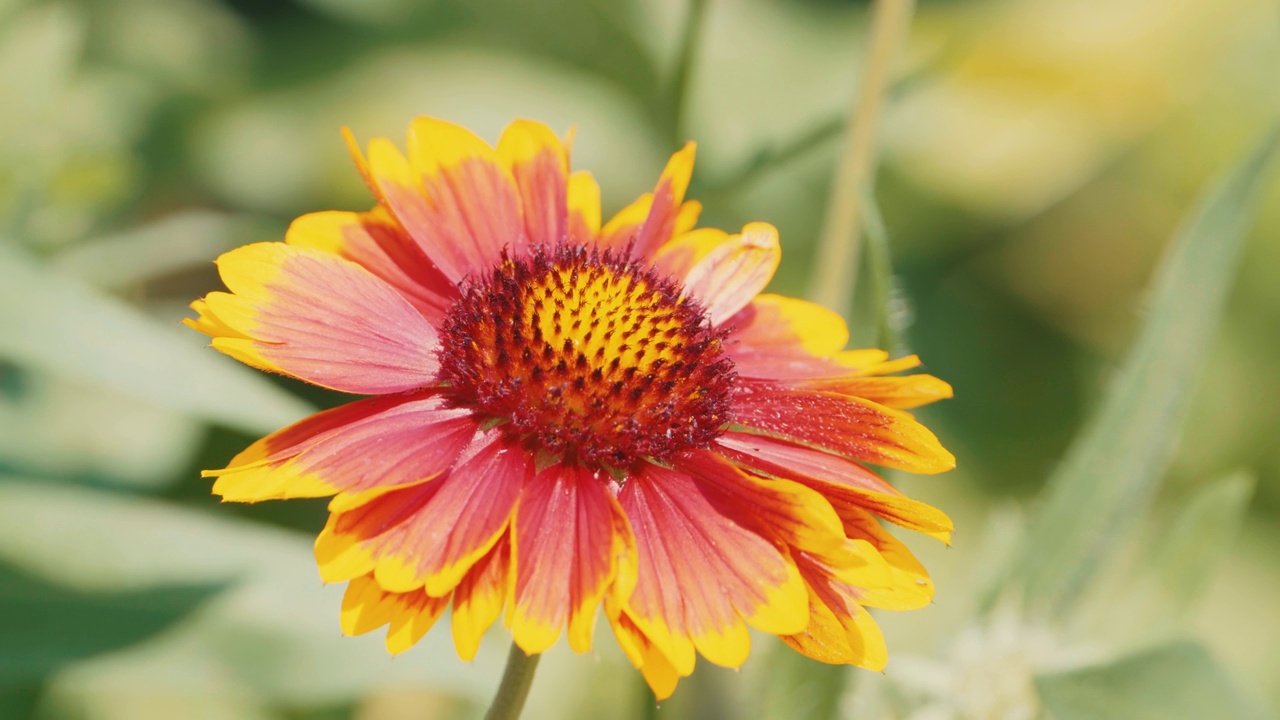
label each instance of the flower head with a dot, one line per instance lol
(564, 416)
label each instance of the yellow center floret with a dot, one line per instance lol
(589, 356)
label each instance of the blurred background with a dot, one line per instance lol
(1036, 158)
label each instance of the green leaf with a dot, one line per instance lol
(148, 251)
(59, 325)
(275, 632)
(1110, 472)
(44, 626)
(63, 429)
(1179, 681)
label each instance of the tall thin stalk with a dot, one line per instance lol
(836, 266)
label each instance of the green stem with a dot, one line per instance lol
(879, 275)
(837, 260)
(517, 678)
(775, 156)
(679, 89)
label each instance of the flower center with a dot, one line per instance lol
(587, 355)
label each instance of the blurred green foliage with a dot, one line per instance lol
(1037, 157)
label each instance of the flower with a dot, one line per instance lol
(564, 415)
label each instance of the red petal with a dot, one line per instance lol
(651, 221)
(364, 447)
(840, 630)
(701, 574)
(776, 337)
(849, 487)
(320, 318)
(432, 533)
(570, 536)
(785, 512)
(452, 194)
(376, 242)
(852, 427)
(538, 162)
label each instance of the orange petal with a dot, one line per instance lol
(570, 536)
(362, 165)
(209, 324)
(688, 249)
(668, 196)
(903, 392)
(376, 242)
(785, 512)
(429, 534)
(702, 576)
(584, 208)
(622, 229)
(734, 272)
(540, 165)
(366, 607)
(652, 220)
(451, 194)
(909, 586)
(845, 484)
(370, 445)
(320, 318)
(657, 670)
(854, 428)
(479, 598)
(781, 337)
(840, 630)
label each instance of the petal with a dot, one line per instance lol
(668, 197)
(452, 194)
(657, 670)
(366, 607)
(538, 162)
(414, 615)
(584, 208)
(857, 429)
(840, 629)
(785, 512)
(848, 486)
(429, 534)
(687, 217)
(782, 337)
(909, 586)
(208, 323)
(735, 271)
(677, 257)
(479, 598)
(570, 537)
(903, 392)
(320, 318)
(362, 165)
(701, 575)
(623, 228)
(861, 362)
(651, 221)
(360, 450)
(376, 242)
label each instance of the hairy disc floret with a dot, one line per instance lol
(588, 354)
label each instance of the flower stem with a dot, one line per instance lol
(514, 688)
(678, 91)
(836, 265)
